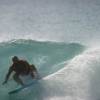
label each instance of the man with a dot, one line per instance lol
(21, 68)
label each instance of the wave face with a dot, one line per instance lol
(49, 58)
(69, 71)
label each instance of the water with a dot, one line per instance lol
(61, 37)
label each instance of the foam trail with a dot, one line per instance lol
(73, 82)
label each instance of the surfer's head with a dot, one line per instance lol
(15, 59)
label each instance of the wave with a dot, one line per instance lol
(77, 80)
(49, 57)
(70, 71)
(43, 54)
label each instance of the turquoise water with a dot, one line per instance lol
(44, 55)
(49, 57)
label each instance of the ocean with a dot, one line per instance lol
(61, 38)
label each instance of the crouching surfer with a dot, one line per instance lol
(21, 68)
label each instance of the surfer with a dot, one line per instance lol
(21, 68)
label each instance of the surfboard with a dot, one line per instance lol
(23, 87)
(29, 82)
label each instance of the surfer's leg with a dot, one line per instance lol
(17, 79)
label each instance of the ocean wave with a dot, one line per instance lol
(77, 80)
(43, 54)
(68, 70)
(49, 57)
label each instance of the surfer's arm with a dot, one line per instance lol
(8, 75)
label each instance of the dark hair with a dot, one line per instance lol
(15, 58)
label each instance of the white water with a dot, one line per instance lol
(78, 80)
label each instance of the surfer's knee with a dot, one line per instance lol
(17, 79)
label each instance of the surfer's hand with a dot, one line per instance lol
(4, 82)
